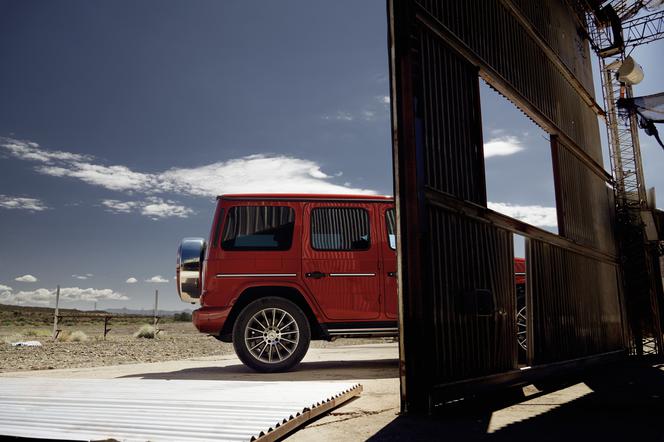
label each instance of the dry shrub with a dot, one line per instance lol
(78, 336)
(147, 332)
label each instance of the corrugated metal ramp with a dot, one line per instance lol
(162, 410)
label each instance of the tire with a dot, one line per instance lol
(521, 325)
(271, 335)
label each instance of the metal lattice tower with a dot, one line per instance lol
(611, 45)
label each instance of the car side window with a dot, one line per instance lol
(217, 229)
(340, 228)
(391, 223)
(258, 228)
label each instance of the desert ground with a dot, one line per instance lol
(81, 342)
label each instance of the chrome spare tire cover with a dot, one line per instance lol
(188, 270)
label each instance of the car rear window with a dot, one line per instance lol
(340, 229)
(258, 228)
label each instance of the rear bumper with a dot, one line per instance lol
(210, 319)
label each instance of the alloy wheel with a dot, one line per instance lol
(271, 335)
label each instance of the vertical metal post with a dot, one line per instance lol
(56, 313)
(156, 310)
(106, 329)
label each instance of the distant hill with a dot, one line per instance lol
(145, 312)
(24, 315)
(4, 309)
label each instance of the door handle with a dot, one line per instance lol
(392, 274)
(315, 275)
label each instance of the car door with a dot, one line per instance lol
(388, 249)
(340, 260)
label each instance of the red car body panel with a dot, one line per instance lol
(519, 271)
(210, 319)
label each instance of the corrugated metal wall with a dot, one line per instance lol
(457, 290)
(575, 305)
(585, 202)
(473, 297)
(450, 118)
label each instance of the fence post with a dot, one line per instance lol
(156, 310)
(106, 329)
(56, 313)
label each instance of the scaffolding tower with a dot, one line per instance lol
(615, 29)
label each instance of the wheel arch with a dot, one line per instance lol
(253, 293)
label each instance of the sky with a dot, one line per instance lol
(121, 121)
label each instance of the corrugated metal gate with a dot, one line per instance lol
(457, 290)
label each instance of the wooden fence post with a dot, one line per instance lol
(156, 311)
(56, 314)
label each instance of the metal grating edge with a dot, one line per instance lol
(308, 413)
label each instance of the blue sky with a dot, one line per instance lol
(120, 121)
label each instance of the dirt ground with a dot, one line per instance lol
(177, 340)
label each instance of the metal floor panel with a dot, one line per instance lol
(162, 410)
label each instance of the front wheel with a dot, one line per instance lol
(271, 334)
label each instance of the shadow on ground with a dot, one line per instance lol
(622, 402)
(305, 371)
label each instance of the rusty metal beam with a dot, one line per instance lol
(408, 211)
(487, 215)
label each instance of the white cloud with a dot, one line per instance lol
(536, 215)
(157, 208)
(157, 279)
(90, 294)
(5, 288)
(82, 277)
(368, 115)
(27, 150)
(253, 173)
(44, 296)
(110, 177)
(25, 278)
(153, 207)
(340, 116)
(502, 146)
(370, 112)
(116, 206)
(13, 202)
(131, 280)
(34, 297)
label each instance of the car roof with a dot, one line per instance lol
(306, 196)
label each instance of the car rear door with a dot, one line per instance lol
(340, 260)
(388, 250)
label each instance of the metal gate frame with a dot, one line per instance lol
(457, 320)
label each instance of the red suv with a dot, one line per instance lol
(280, 270)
